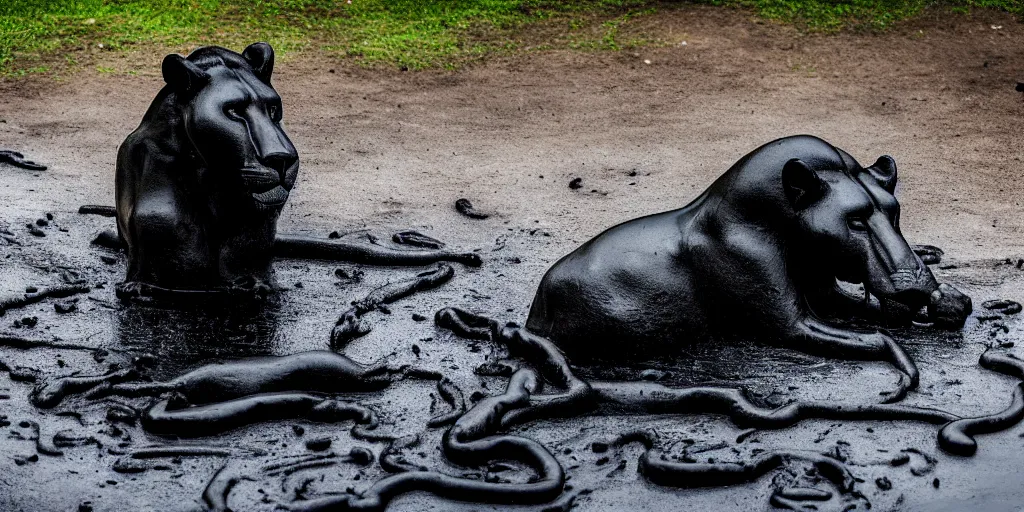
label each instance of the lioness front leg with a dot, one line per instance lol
(810, 335)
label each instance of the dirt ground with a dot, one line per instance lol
(384, 151)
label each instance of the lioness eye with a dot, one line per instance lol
(857, 224)
(232, 112)
(274, 112)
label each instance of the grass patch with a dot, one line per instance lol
(831, 15)
(43, 35)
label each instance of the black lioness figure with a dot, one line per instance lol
(758, 254)
(201, 182)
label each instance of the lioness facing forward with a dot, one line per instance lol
(202, 180)
(758, 254)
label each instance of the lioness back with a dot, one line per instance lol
(744, 260)
(624, 283)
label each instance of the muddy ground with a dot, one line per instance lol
(384, 151)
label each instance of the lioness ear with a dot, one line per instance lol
(261, 57)
(802, 184)
(884, 170)
(183, 74)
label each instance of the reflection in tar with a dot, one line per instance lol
(182, 338)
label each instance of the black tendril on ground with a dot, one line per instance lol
(18, 160)
(40, 294)
(350, 326)
(216, 398)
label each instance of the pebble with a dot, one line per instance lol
(65, 306)
(465, 207)
(1007, 307)
(883, 483)
(651, 374)
(495, 369)
(361, 456)
(318, 444)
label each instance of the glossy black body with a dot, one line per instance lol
(200, 183)
(202, 180)
(757, 255)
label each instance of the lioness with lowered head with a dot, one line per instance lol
(758, 254)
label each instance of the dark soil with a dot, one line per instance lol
(390, 151)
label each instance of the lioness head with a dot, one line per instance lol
(848, 218)
(232, 117)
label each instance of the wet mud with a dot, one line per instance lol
(494, 428)
(102, 408)
(493, 448)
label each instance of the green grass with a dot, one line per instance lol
(44, 35)
(829, 15)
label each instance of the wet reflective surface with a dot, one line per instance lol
(168, 342)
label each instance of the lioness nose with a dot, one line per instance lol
(272, 146)
(912, 281)
(280, 162)
(913, 285)
(893, 249)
